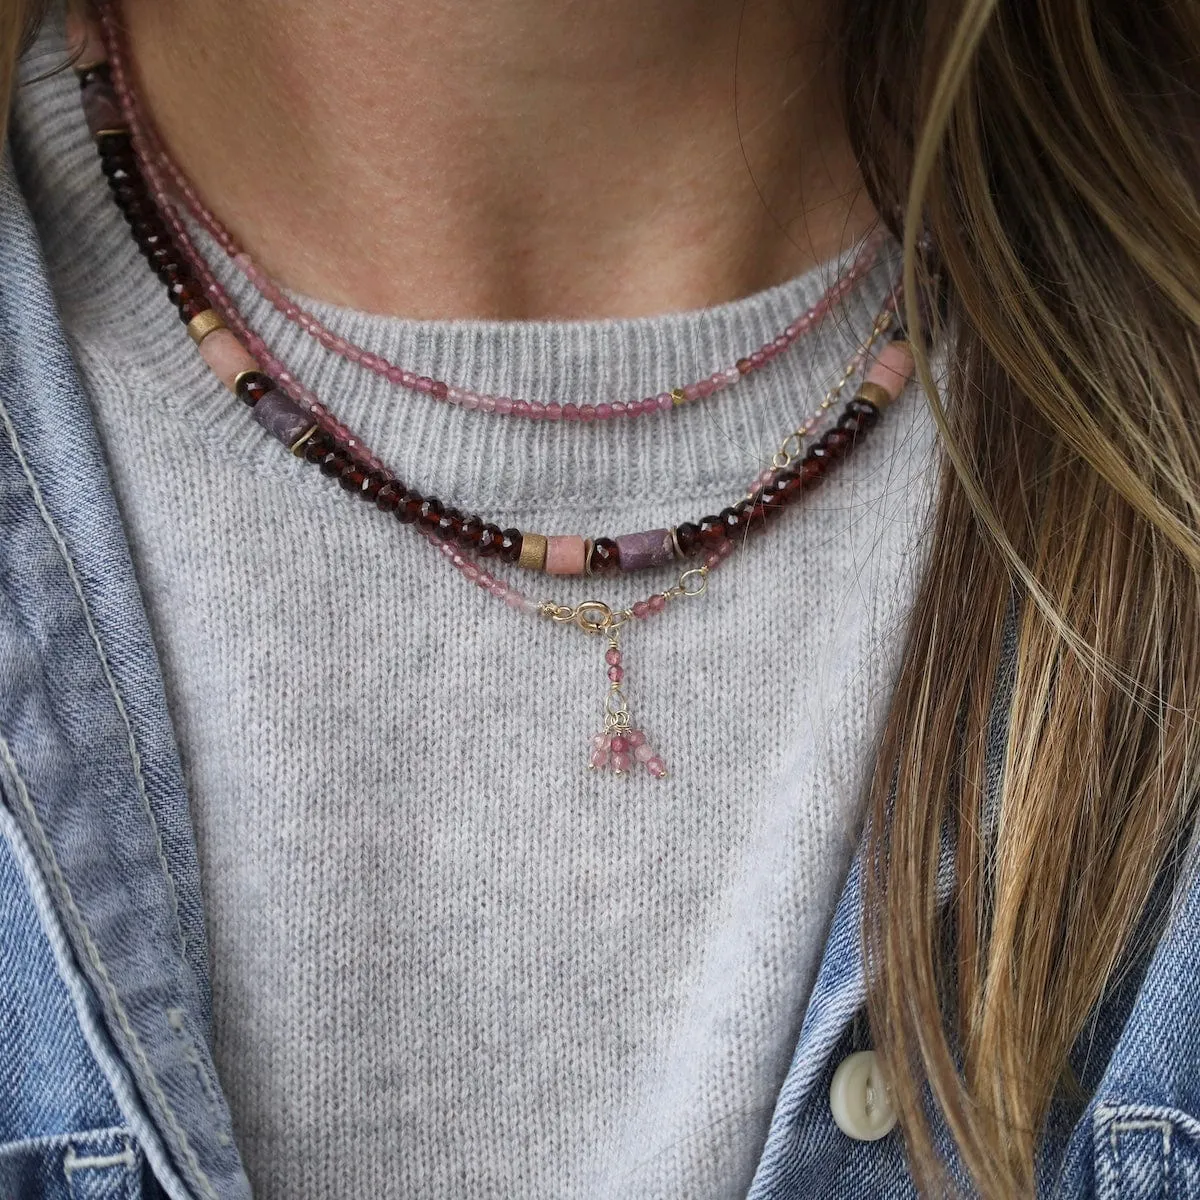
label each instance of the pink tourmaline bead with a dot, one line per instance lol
(553, 412)
(395, 375)
(657, 603)
(565, 555)
(644, 752)
(471, 571)
(612, 656)
(616, 674)
(487, 404)
(498, 589)
(603, 412)
(587, 412)
(598, 759)
(600, 741)
(470, 401)
(664, 400)
(656, 767)
(621, 763)
(619, 743)
(504, 406)
(640, 609)
(757, 358)
(514, 599)
(692, 391)
(570, 412)
(521, 408)
(226, 357)
(618, 407)
(636, 738)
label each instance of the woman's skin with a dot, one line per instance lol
(513, 160)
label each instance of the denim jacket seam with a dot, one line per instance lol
(200, 1178)
(134, 753)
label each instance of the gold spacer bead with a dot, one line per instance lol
(675, 544)
(876, 393)
(202, 324)
(533, 552)
(678, 397)
(109, 132)
(297, 447)
(237, 379)
(588, 545)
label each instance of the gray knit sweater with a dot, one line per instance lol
(447, 959)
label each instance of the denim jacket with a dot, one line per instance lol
(107, 1084)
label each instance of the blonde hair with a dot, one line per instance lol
(1048, 152)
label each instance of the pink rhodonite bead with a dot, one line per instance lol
(636, 738)
(643, 752)
(226, 357)
(616, 674)
(598, 759)
(600, 741)
(613, 657)
(657, 768)
(621, 763)
(619, 744)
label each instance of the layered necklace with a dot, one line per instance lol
(153, 193)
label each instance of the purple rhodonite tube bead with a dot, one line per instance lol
(651, 548)
(101, 108)
(281, 416)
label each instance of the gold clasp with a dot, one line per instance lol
(593, 616)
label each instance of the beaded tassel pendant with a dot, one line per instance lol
(619, 747)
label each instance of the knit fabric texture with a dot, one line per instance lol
(448, 960)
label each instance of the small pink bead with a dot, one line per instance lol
(664, 400)
(621, 763)
(600, 741)
(470, 400)
(644, 752)
(691, 392)
(504, 406)
(537, 412)
(656, 767)
(423, 383)
(485, 581)
(553, 412)
(587, 412)
(618, 407)
(780, 343)
(408, 379)
(341, 432)
(636, 738)
(394, 375)
(487, 404)
(612, 656)
(757, 358)
(604, 412)
(570, 412)
(456, 395)
(598, 759)
(565, 555)
(471, 571)
(619, 743)
(528, 605)
(498, 589)
(640, 609)
(514, 599)
(731, 376)
(712, 558)
(657, 603)
(616, 674)
(226, 357)
(521, 408)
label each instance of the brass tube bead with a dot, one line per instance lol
(202, 324)
(875, 393)
(678, 397)
(533, 552)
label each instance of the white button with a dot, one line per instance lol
(859, 1100)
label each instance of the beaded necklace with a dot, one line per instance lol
(312, 433)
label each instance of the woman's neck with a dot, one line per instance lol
(532, 158)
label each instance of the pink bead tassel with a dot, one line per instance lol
(619, 747)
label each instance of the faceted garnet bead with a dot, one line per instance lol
(687, 536)
(252, 386)
(334, 463)
(510, 545)
(371, 487)
(352, 477)
(712, 532)
(605, 556)
(470, 533)
(409, 508)
(449, 524)
(837, 442)
(316, 448)
(429, 513)
(389, 496)
(491, 539)
(864, 409)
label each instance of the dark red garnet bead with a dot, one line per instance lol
(252, 386)
(409, 508)
(864, 409)
(470, 533)
(334, 463)
(389, 496)
(449, 524)
(189, 310)
(353, 477)
(732, 521)
(837, 442)
(491, 539)
(687, 536)
(510, 545)
(429, 513)
(372, 484)
(98, 71)
(317, 447)
(712, 532)
(606, 556)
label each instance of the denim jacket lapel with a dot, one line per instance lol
(88, 762)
